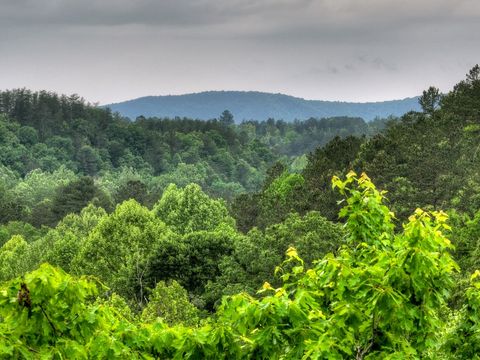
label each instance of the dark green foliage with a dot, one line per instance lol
(463, 99)
(26, 230)
(430, 99)
(274, 172)
(42, 131)
(256, 255)
(74, 196)
(336, 157)
(132, 189)
(194, 261)
(27, 135)
(466, 238)
(89, 160)
(245, 209)
(283, 192)
(429, 160)
(10, 209)
(226, 118)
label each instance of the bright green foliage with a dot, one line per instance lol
(190, 209)
(63, 243)
(465, 236)
(278, 198)
(299, 163)
(280, 190)
(380, 297)
(39, 185)
(12, 258)
(47, 315)
(463, 341)
(395, 283)
(118, 249)
(119, 304)
(170, 302)
(364, 199)
(60, 245)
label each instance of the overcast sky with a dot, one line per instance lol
(349, 50)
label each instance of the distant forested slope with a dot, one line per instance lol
(258, 106)
(58, 153)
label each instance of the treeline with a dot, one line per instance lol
(63, 130)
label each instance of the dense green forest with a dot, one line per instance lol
(185, 239)
(58, 154)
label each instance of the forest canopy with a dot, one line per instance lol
(178, 238)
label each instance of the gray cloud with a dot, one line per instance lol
(110, 50)
(162, 13)
(276, 16)
(362, 63)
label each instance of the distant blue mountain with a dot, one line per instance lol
(252, 105)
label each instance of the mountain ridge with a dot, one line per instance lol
(256, 105)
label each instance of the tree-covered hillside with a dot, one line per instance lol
(59, 153)
(152, 244)
(246, 105)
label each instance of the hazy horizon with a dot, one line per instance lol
(112, 51)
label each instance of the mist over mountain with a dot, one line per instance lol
(252, 105)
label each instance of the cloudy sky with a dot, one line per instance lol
(352, 50)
